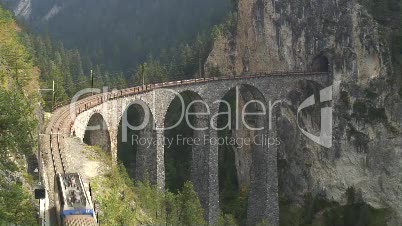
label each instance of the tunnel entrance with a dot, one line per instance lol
(235, 159)
(97, 133)
(320, 64)
(135, 146)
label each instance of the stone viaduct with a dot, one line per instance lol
(263, 196)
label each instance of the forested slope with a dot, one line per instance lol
(114, 38)
(20, 80)
(121, 34)
(18, 96)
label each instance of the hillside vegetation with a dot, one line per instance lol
(114, 39)
(124, 202)
(18, 88)
(121, 34)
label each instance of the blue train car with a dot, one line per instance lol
(73, 203)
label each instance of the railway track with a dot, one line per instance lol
(57, 131)
(56, 158)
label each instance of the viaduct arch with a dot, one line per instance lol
(263, 196)
(135, 148)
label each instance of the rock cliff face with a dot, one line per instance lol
(24, 9)
(34, 11)
(341, 37)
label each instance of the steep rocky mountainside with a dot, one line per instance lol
(345, 38)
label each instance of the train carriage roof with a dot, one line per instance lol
(73, 190)
(79, 220)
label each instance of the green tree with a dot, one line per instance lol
(151, 72)
(16, 205)
(17, 124)
(191, 210)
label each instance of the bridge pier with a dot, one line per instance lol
(204, 171)
(213, 210)
(146, 156)
(263, 197)
(158, 171)
(113, 143)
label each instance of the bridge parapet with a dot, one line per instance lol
(263, 201)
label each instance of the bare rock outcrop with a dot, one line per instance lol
(343, 38)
